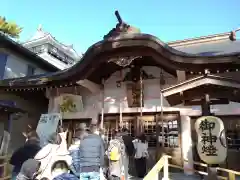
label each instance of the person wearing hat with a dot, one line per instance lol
(61, 171)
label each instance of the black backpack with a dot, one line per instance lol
(130, 150)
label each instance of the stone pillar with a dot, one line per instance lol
(186, 136)
(52, 105)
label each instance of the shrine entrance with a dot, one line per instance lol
(70, 125)
(169, 139)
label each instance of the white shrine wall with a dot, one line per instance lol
(115, 98)
(115, 101)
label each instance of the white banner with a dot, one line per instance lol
(47, 125)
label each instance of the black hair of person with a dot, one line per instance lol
(142, 138)
(124, 129)
(114, 133)
(44, 178)
(63, 165)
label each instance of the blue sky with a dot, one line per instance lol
(83, 23)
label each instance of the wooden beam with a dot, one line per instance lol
(202, 81)
(93, 87)
(199, 102)
(198, 93)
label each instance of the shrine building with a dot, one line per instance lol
(135, 80)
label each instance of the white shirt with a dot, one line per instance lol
(141, 149)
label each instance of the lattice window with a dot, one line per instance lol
(233, 134)
(112, 122)
(173, 138)
(150, 132)
(129, 123)
(109, 126)
(170, 137)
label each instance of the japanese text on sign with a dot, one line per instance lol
(47, 125)
(207, 138)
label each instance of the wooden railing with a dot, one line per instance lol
(154, 172)
(4, 168)
(164, 163)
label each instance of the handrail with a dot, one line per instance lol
(231, 173)
(163, 163)
(153, 173)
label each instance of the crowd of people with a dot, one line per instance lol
(88, 157)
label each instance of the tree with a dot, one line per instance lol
(9, 28)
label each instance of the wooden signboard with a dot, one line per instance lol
(47, 125)
(70, 103)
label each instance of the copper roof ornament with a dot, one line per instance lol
(121, 28)
(233, 36)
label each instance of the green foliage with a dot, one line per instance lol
(9, 28)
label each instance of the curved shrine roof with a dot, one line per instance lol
(125, 45)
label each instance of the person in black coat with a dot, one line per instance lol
(27, 151)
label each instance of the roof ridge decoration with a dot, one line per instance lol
(233, 36)
(121, 28)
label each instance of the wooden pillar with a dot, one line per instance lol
(141, 103)
(206, 109)
(102, 99)
(158, 123)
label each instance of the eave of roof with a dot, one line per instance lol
(210, 84)
(6, 42)
(130, 45)
(201, 39)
